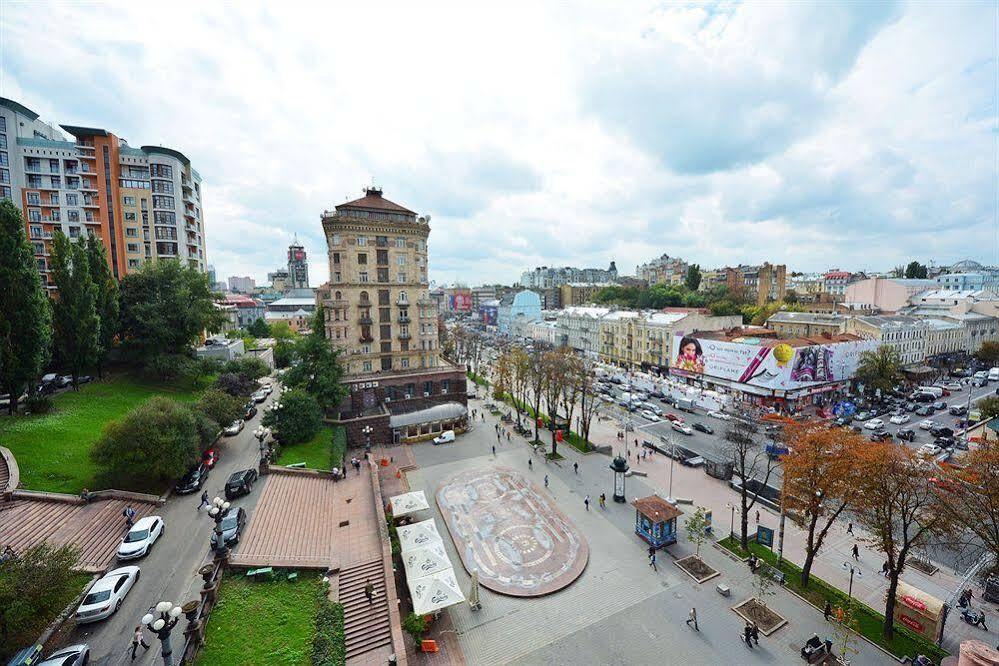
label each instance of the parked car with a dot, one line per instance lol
(71, 655)
(907, 434)
(106, 595)
(64, 381)
(925, 410)
(234, 428)
(700, 427)
(193, 480)
(899, 419)
(84, 379)
(259, 396)
(958, 410)
(927, 424)
(929, 450)
(719, 415)
(210, 457)
(445, 437)
(941, 431)
(953, 386)
(249, 411)
(881, 436)
(648, 414)
(945, 442)
(673, 417)
(864, 415)
(874, 424)
(680, 427)
(232, 526)
(240, 483)
(140, 538)
(939, 405)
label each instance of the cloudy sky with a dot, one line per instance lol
(818, 135)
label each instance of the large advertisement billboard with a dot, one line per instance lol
(779, 366)
(461, 301)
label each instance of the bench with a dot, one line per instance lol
(293, 575)
(723, 589)
(263, 572)
(775, 573)
(298, 465)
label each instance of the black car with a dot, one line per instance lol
(193, 480)
(233, 523)
(941, 431)
(250, 411)
(881, 436)
(240, 483)
(958, 410)
(908, 434)
(923, 397)
(944, 442)
(700, 427)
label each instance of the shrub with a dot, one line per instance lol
(299, 419)
(236, 384)
(251, 366)
(36, 403)
(208, 430)
(284, 353)
(329, 644)
(219, 406)
(415, 625)
(169, 366)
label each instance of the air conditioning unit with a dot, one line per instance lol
(426, 394)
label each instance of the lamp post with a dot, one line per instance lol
(668, 438)
(731, 524)
(620, 467)
(367, 430)
(217, 512)
(162, 623)
(854, 571)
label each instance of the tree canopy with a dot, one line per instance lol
(107, 298)
(34, 587)
(297, 420)
(915, 270)
(318, 371)
(74, 313)
(880, 369)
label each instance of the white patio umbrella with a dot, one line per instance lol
(426, 560)
(436, 591)
(418, 535)
(407, 503)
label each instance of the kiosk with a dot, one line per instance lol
(655, 520)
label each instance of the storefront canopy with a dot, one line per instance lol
(407, 503)
(418, 535)
(445, 412)
(424, 561)
(436, 591)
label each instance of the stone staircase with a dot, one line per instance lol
(366, 625)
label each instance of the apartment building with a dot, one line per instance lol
(834, 282)
(761, 284)
(578, 293)
(143, 203)
(663, 270)
(906, 335)
(241, 284)
(579, 328)
(378, 310)
(889, 295)
(298, 266)
(551, 277)
(642, 339)
(806, 324)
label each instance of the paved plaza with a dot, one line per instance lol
(508, 530)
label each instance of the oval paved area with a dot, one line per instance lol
(510, 531)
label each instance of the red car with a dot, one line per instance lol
(210, 457)
(674, 417)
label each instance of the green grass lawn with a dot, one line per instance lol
(869, 621)
(53, 450)
(262, 622)
(315, 453)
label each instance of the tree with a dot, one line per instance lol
(164, 307)
(969, 494)
(693, 278)
(318, 372)
(25, 317)
(107, 299)
(989, 407)
(297, 420)
(846, 629)
(899, 508)
(220, 407)
(284, 352)
(880, 369)
(820, 480)
(791, 297)
(572, 384)
(156, 441)
(588, 398)
(235, 384)
(988, 353)
(247, 365)
(281, 330)
(696, 525)
(749, 459)
(521, 379)
(259, 329)
(74, 313)
(915, 270)
(554, 368)
(503, 376)
(34, 586)
(538, 377)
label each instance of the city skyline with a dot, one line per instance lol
(819, 144)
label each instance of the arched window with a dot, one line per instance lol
(364, 296)
(337, 296)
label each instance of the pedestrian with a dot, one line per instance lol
(856, 552)
(885, 569)
(603, 501)
(757, 516)
(849, 528)
(204, 499)
(575, 467)
(369, 591)
(827, 611)
(494, 450)
(85, 495)
(530, 465)
(586, 502)
(692, 617)
(129, 514)
(137, 640)
(652, 561)
(546, 480)
(756, 633)
(747, 634)
(981, 620)
(507, 435)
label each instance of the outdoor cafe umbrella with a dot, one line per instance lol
(407, 503)
(426, 560)
(436, 591)
(418, 535)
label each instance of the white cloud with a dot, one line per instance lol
(812, 134)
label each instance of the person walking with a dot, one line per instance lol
(204, 500)
(369, 591)
(546, 480)
(692, 617)
(756, 633)
(827, 611)
(981, 620)
(494, 450)
(652, 561)
(856, 552)
(603, 500)
(137, 640)
(885, 569)
(530, 465)
(129, 514)
(757, 516)
(508, 436)
(849, 528)
(575, 467)
(747, 634)
(586, 502)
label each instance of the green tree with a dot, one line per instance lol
(281, 330)
(248, 365)
(915, 270)
(298, 419)
(259, 329)
(693, 279)
(236, 384)
(164, 307)
(724, 308)
(220, 407)
(880, 369)
(284, 353)
(318, 372)
(697, 524)
(989, 407)
(107, 299)
(34, 586)
(988, 353)
(157, 441)
(25, 315)
(74, 313)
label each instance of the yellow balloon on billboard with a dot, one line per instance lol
(783, 354)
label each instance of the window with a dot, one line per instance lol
(384, 314)
(402, 278)
(362, 241)
(34, 199)
(400, 243)
(145, 204)
(362, 276)
(383, 297)
(382, 257)
(362, 258)
(133, 247)
(365, 349)
(39, 248)
(367, 366)
(133, 263)
(74, 232)
(72, 199)
(132, 232)
(73, 216)
(381, 241)
(337, 277)
(445, 385)
(5, 192)
(128, 201)
(35, 215)
(404, 362)
(163, 217)
(3, 159)
(336, 257)
(161, 170)
(335, 240)
(162, 202)
(54, 198)
(401, 260)
(131, 184)
(130, 217)
(385, 331)
(386, 363)
(163, 186)
(56, 182)
(5, 176)
(428, 388)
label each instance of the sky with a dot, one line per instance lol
(819, 135)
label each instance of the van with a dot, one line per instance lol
(935, 391)
(994, 375)
(445, 437)
(685, 404)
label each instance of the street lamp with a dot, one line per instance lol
(620, 467)
(672, 459)
(854, 571)
(731, 524)
(217, 512)
(161, 624)
(367, 430)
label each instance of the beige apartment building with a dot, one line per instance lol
(806, 324)
(643, 339)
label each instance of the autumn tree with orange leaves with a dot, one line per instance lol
(821, 479)
(969, 494)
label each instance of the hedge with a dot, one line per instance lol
(329, 643)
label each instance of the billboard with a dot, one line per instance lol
(461, 301)
(780, 366)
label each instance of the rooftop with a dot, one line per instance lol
(657, 508)
(806, 318)
(895, 321)
(373, 200)
(764, 337)
(291, 301)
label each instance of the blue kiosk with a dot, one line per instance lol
(655, 521)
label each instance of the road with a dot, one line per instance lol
(169, 571)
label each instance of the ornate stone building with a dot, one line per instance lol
(378, 310)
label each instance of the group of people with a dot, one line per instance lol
(751, 633)
(341, 472)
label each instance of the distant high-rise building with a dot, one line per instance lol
(211, 275)
(663, 270)
(551, 277)
(143, 203)
(298, 266)
(241, 285)
(279, 280)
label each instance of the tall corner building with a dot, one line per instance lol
(144, 203)
(379, 312)
(298, 266)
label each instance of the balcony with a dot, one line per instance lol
(41, 235)
(402, 300)
(365, 320)
(405, 336)
(404, 319)
(366, 339)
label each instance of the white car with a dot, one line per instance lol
(899, 419)
(929, 450)
(720, 415)
(874, 424)
(607, 398)
(952, 386)
(649, 415)
(680, 427)
(106, 595)
(141, 538)
(72, 655)
(234, 428)
(927, 424)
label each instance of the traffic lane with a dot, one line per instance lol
(169, 571)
